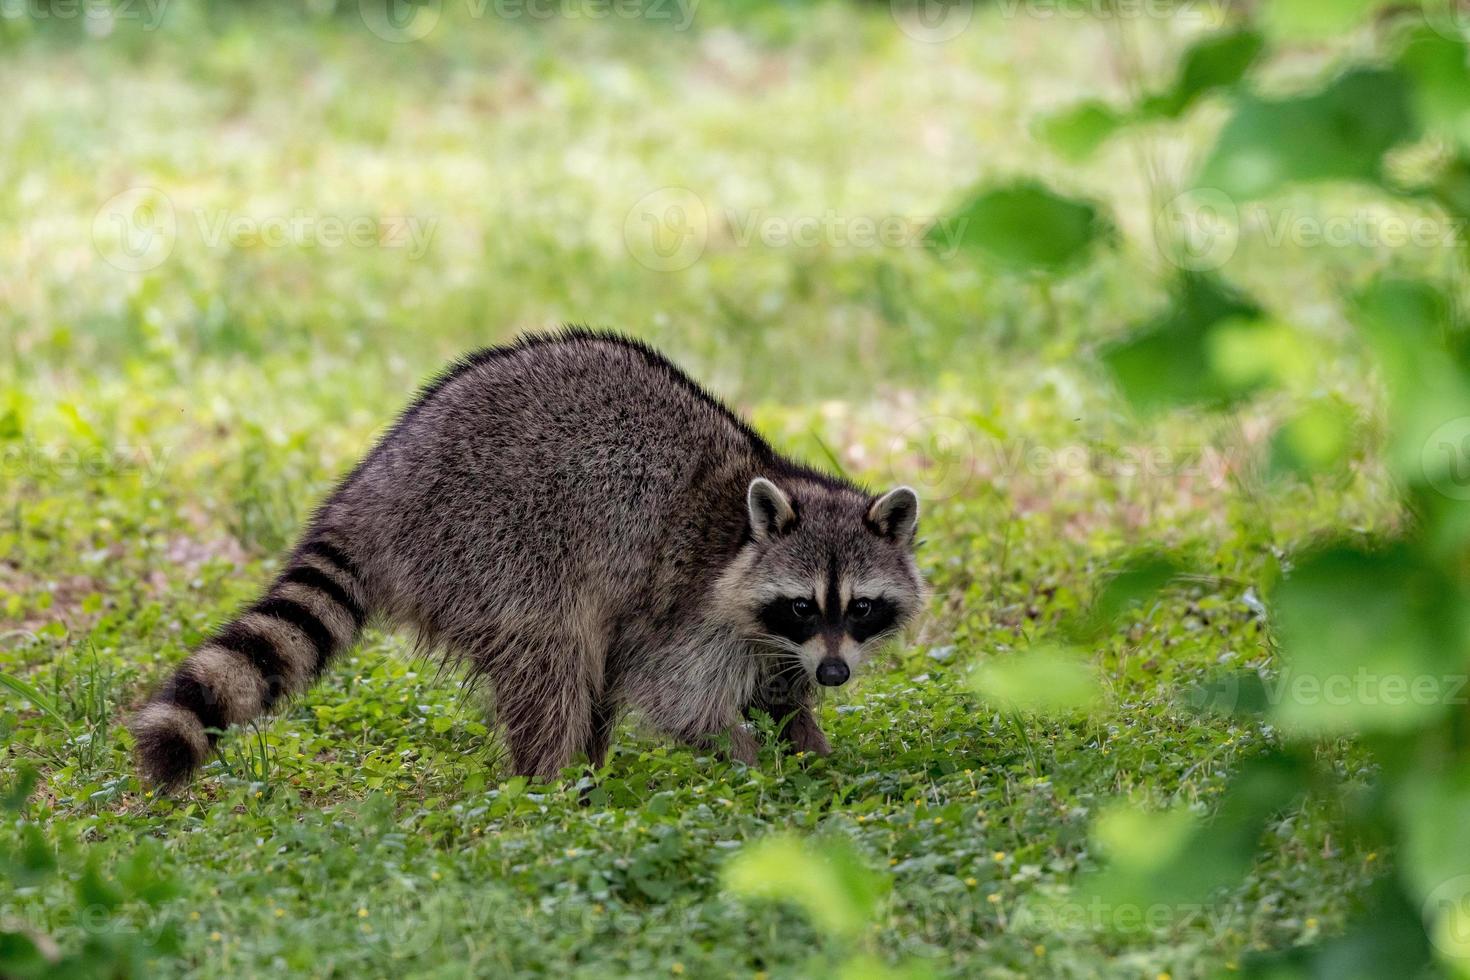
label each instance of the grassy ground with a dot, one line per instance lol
(171, 413)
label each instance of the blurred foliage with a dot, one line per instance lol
(1168, 362)
(1026, 227)
(1047, 681)
(116, 905)
(1217, 61)
(1384, 619)
(1339, 133)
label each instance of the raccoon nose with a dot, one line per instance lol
(832, 672)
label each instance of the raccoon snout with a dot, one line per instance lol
(832, 672)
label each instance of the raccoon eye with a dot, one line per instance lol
(860, 608)
(803, 608)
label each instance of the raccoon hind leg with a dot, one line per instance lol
(544, 697)
(599, 738)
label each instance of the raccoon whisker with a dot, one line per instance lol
(782, 664)
(878, 639)
(774, 640)
(780, 653)
(783, 645)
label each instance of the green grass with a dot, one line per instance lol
(166, 431)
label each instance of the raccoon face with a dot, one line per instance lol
(827, 576)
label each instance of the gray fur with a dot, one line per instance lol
(589, 532)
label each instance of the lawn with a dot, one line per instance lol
(232, 243)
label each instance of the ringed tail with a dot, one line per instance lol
(276, 647)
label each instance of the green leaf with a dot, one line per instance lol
(1386, 939)
(14, 798)
(1314, 19)
(865, 967)
(1143, 840)
(829, 882)
(12, 425)
(1249, 354)
(1023, 226)
(1408, 324)
(1136, 580)
(144, 876)
(1045, 681)
(1214, 62)
(36, 698)
(1076, 132)
(1451, 190)
(1176, 859)
(1167, 362)
(1438, 69)
(94, 891)
(20, 956)
(1235, 693)
(1431, 806)
(1370, 641)
(1319, 438)
(77, 423)
(1338, 133)
(34, 859)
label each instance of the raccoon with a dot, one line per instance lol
(589, 532)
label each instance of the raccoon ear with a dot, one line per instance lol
(895, 514)
(771, 513)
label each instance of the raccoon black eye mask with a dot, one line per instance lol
(589, 532)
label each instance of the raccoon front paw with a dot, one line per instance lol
(805, 736)
(743, 746)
